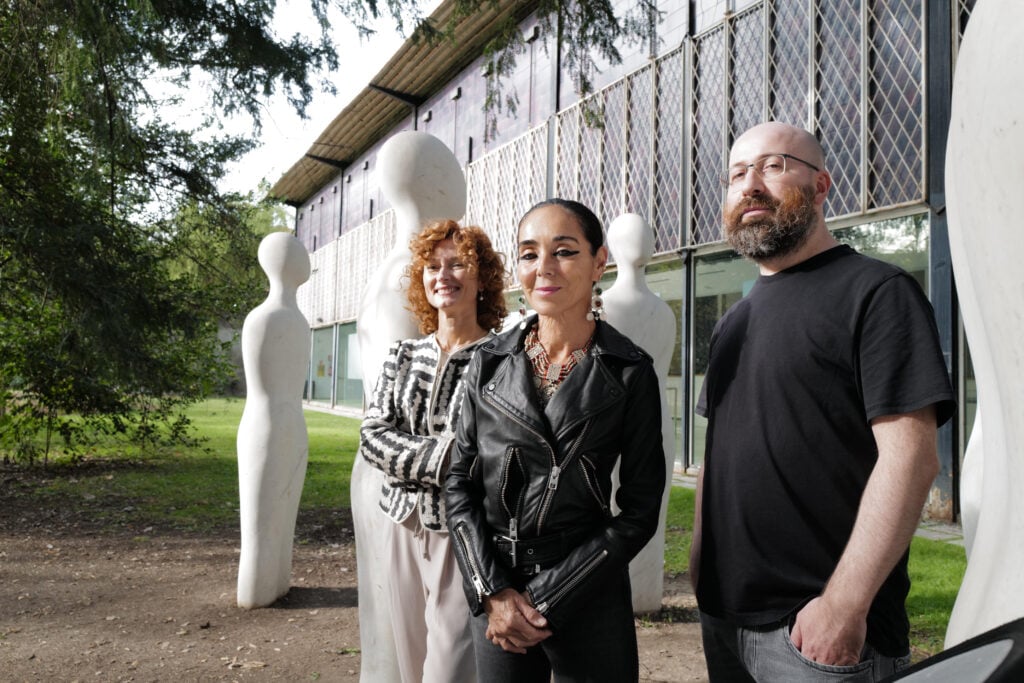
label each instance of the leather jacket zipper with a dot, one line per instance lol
(513, 537)
(513, 455)
(556, 471)
(513, 523)
(592, 486)
(540, 439)
(572, 581)
(476, 578)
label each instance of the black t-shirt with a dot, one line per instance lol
(798, 369)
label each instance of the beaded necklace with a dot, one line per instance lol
(548, 376)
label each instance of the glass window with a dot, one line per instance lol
(322, 365)
(666, 280)
(722, 279)
(348, 383)
(902, 242)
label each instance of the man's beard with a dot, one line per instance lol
(782, 232)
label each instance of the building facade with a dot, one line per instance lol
(872, 78)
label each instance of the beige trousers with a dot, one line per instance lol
(429, 614)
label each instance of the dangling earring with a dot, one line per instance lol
(596, 304)
(480, 296)
(522, 312)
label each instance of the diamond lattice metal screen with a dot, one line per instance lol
(961, 13)
(341, 269)
(840, 107)
(327, 271)
(502, 185)
(708, 119)
(636, 143)
(608, 161)
(851, 71)
(747, 86)
(619, 150)
(315, 297)
(790, 97)
(306, 292)
(573, 152)
(669, 143)
(895, 155)
(360, 252)
(655, 142)
(586, 176)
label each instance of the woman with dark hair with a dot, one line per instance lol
(550, 407)
(455, 291)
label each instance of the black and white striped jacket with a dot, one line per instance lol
(410, 425)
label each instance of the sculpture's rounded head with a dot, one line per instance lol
(421, 177)
(284, 259)
(631, 240)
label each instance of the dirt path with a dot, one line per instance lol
(84, 604)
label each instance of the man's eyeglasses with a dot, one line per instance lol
(768, 167)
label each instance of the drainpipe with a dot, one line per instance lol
(556, 85)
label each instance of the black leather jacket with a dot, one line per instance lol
(528, 491)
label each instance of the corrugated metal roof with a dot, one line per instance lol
(416, 71)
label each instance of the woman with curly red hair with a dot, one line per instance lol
(456, 281)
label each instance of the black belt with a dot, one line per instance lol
(538, 551)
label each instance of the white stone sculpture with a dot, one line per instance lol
(272, 442)
(423, 181)
(983, 167)
(971, 481)
(633, 309)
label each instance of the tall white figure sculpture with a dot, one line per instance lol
(272, 442)
(970, 476)
(983, 179)
(423, 181)
(633, 309)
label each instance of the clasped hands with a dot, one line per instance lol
(513, 624)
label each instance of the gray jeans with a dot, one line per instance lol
(765, 654)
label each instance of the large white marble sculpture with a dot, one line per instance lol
(636, 311)
(272, 442)
(423, 181)
(971, 480)
(983, 178)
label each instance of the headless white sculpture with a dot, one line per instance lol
(986, 143)
(633, 309)
(970, 475)
(272, 442)
(423, 181)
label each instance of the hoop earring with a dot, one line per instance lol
(596, 304)
(522, 312)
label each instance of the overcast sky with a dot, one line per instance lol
(286, 137)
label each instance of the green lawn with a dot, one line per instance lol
(936, 571)
(196, 489)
